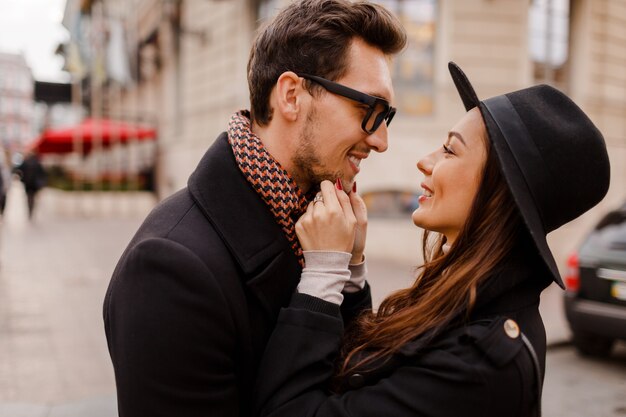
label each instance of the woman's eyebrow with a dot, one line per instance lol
(456, 135)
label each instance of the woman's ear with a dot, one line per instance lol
(289, 96)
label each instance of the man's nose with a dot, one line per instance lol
(378, 140)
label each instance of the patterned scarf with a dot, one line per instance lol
(275, 186)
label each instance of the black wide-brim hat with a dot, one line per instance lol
(552, 156)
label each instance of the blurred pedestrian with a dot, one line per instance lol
(466, 339)
(5, 180)
(33, 175)
(197, 292)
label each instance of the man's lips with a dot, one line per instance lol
(355, 161)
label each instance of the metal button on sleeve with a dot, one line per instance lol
(356, 380)
(511, 329)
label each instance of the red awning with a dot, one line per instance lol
(108, 131)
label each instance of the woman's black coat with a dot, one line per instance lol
(475, 369)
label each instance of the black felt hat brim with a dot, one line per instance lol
(512, 173)
(521, 194)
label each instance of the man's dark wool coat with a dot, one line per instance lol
(478, 366)
(195, 297)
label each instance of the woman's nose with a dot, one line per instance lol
(425, 165)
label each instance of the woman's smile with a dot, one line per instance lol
(452, 175)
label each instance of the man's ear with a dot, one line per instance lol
(289, 95)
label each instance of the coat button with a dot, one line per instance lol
(356, 380)
(511, 329)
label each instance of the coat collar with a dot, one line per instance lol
(235, 210)
(515, 286)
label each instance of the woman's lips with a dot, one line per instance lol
(427, 193)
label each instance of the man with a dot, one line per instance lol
(34, 177)
(5, 180)
(197, 292)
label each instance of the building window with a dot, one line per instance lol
(413, 74)
(549, 39)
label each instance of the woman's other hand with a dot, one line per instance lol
(360, 213)
(328, 224)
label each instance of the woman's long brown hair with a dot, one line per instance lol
(445, 288)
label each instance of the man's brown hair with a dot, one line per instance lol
(313, 37)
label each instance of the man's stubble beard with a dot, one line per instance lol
(309, 168)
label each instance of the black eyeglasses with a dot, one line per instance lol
(379, 108)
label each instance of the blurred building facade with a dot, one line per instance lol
(183, 62)
(16, 101)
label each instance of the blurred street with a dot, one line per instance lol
(54, 272)
(583, 387)
(53, 275)
(118, 95)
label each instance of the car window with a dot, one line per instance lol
(610, 232)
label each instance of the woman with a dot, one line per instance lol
(467, 338)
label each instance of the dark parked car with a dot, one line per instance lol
(595, 300)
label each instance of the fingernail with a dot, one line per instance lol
(354, 187)
(338, 184)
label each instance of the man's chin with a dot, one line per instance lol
(347, 185)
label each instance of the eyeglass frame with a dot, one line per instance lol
(358, 96)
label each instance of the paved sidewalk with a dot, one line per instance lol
(53, 275)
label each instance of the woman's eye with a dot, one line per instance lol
(447, 150)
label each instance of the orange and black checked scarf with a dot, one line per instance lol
(275, 186)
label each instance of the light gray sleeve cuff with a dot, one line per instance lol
(358, 275)
(325, 275)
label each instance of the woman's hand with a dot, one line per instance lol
(360, 212)
(329, 224)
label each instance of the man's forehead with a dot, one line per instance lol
(373, 78)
